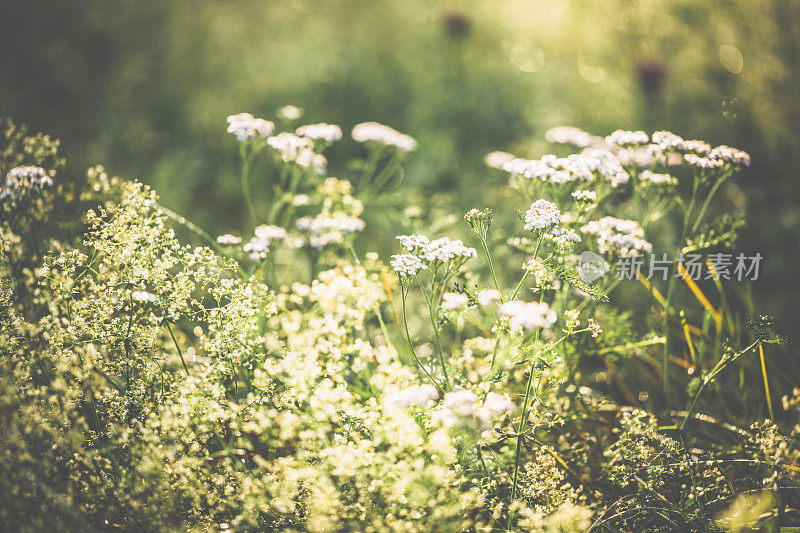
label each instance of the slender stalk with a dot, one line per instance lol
(434, 316)
(175, 341)
(721, 365)
(403, 294)
(489, 260)
(524, 417)
(766, 383)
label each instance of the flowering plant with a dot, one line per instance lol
(278, 382)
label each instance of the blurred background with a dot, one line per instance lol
(143, 87)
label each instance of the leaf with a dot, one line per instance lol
(571, 276)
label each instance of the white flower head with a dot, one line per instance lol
(658, 179)
(321, 131)
(625, 237)
(290, 112)
(290, 147)
(497, 159)
(627, 138)
(445, 249)
(407, 265)
(413, 243)
(415, 395)
(702, 162)
(569, 135)
(378, 133)
(541, 215)
(527, 315)
(21, 180)
(229, 240)
(454, 300)
(585, 196)
(487, 297)
(245, 126)
(730, 155)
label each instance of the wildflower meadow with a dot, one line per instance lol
(580, 351)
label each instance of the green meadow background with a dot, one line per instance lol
(143, 87)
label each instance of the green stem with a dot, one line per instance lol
(433, 316)
(403, 294)
(489, 260)
(722, 365)
(175, 341)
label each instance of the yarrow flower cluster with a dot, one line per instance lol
(454, 300)
(259, 245)
(460, 408)
(444, 249)
(702, 162)
(245, 126)
(625, 237)
(407, 265)
(413, 243)
(564, 237)
(658, 179)
(479, 220)
(627, 138)
(487, 297)
(413, 396)
(542, 215)
(21, 180)
(586, 166)
(229, 240)
(731, 155)
(584, 196)
(291, 147)
(322, 131)
(497, 159)
(378, 133)
(527, 315)
(569, 135)
(325, 230)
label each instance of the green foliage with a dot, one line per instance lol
(287, 383)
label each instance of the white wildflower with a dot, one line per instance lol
(413, 243)
(290, 112)
(487, 297)
(541, 215)
(569, 135)
(21, 180)
(454, 300)
(497, 159)
(321, 131)
(702, 162)
(627, 138)
(300, 200)
(259, 245)
(143, 296)
(564, 237)
(374, 132)
(229, 240)
(415, 395)
(407, 264)
(659, 179)
(245, 126)
(444, 249)
(584, 196)
(495, 405)
(698, 147)
(527, 315)
(668, 141)
(730, 155)
(290, 147)
(626, 237)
